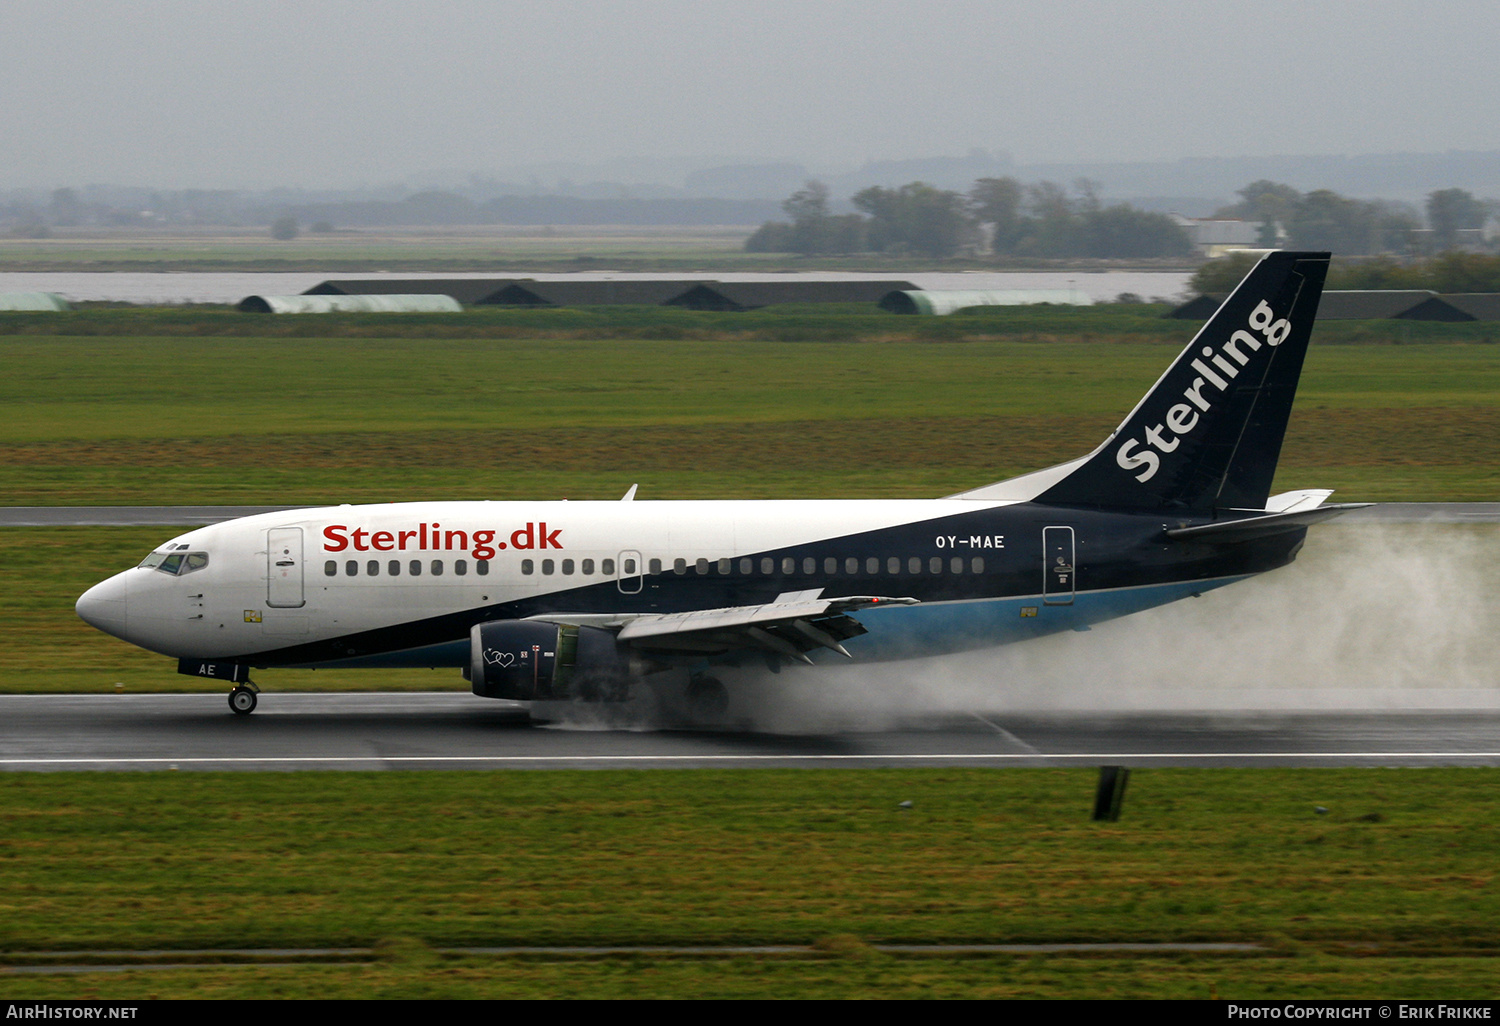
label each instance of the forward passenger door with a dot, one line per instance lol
(284, 585)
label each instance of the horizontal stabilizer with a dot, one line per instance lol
(1292, 502)
(1274, 523)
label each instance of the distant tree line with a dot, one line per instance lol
(1451, 272)
(1322, 219)
(998, 215)
(1004, 217)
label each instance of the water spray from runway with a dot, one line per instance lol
(1370, 616)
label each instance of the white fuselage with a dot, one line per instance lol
(281, 580)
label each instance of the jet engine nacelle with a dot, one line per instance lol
(528, 660)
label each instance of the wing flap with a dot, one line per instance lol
(791, 625)
(789, 606)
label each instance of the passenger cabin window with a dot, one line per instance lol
(482, 567)
(655, 566)
(528, 567)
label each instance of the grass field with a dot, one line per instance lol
(186, 407)
(1390, 892)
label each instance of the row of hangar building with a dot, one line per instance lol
(903, 297)
(411, 295)
(689, 294)
(429, 294)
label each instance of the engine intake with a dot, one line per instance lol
(528, 660)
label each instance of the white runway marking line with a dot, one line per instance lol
(1099, 757)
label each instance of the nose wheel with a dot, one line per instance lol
(243, 698)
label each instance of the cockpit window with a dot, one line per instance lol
(175, 563)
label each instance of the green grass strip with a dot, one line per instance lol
(1402, 858)
(109, 420)
(411, 971)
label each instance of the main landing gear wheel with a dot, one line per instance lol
(708, 699)
(242, 700)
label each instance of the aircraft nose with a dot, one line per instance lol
(103, 605)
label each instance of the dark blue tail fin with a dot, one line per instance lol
(1208, 434)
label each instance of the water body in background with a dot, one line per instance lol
(196, 287)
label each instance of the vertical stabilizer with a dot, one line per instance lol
(1208, 434)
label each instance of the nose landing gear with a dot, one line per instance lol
(243, 698)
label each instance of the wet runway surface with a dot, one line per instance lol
(458, 731)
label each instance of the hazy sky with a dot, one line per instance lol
(251, 93)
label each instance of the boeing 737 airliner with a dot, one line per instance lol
(579, 600)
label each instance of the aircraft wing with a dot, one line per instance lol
(792, 624)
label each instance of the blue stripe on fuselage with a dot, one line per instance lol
(938, 628)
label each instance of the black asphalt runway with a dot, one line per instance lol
(453, 730)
